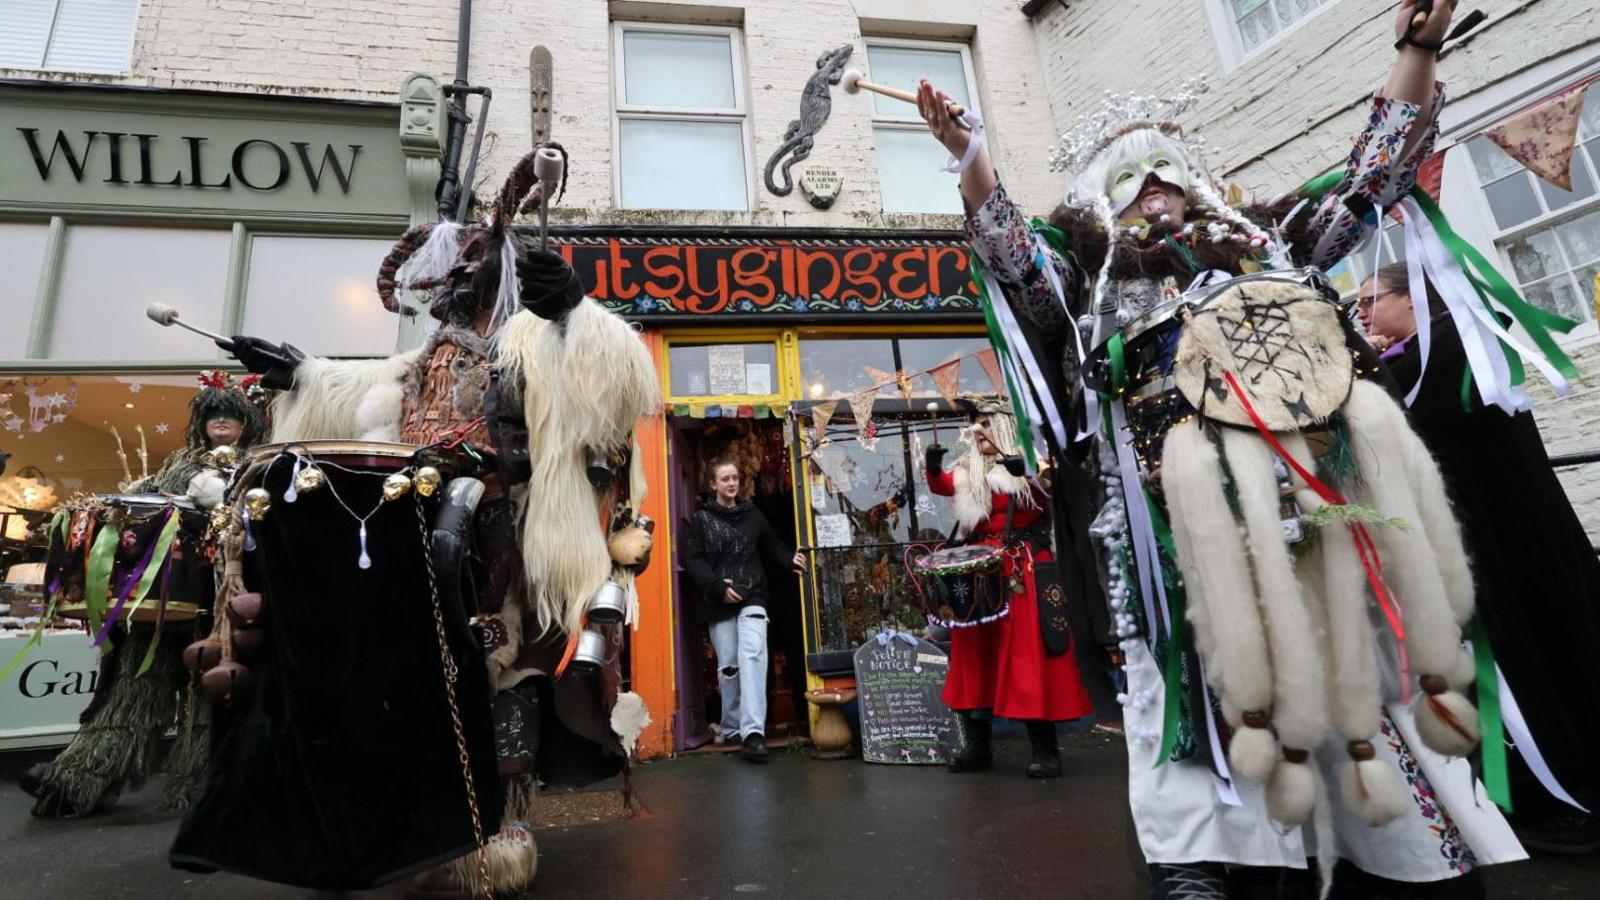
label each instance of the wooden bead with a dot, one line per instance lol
(1361, 751)
(1256, 719)
(1434, 685)
(1295, 756)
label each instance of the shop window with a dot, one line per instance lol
(21, 253)
(68, 35)
(838, 367)
(723, 370)
(681, 131)
(110, 274)
(62, 432)
(1549, 237)
(318, 294)
(911, 176)
(870, 503)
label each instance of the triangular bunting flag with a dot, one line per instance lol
(747, 412)
(947, 379)
(861, 407)
(680, 409)
(1431, 176)
(879, 376)
(1542, 137)
(991, 367)
(821, 412)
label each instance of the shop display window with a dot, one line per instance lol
(22, 245)
(318, 293)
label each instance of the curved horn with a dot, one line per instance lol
(414, 237)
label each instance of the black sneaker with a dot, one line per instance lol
(1566, 833)
(1045, 765)
(755, 749)
(32, 781)
(971, 761)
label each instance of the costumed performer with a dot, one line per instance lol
(535, 391)
(115, 745)
(1018, 664)
(1253, 671)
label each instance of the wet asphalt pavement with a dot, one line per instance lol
(717, 827)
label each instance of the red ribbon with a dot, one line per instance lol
(1365, 547)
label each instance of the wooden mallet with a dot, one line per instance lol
(854, 83)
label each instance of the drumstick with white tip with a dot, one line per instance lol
(547, 167)
(162, 314)
(854, 82)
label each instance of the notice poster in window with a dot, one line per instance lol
(833, 531)
(758, 379)
(727, 370)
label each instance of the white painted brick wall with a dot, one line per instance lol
(1290, 111)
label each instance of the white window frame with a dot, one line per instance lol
(912, 120)
(44, 52)
(621, 109)
(1463, 199)
(1230, 43)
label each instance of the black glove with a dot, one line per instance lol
(275, 363)
(933, 459)
(550, 288)
(1016, 465)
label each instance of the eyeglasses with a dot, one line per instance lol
(1367, 301)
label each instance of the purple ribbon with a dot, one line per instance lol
(130, 580)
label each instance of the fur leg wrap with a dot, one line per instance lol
(1252, 751)
(1446, 720)
(511, 854)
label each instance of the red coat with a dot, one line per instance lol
(1002, 665)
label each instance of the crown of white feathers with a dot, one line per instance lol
(1121, 114)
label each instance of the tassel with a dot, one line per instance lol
(1371, 788)
(1446, 720)
(1292, 789)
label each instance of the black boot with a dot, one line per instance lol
(976, 755)
(1046, 762)
(32, 781)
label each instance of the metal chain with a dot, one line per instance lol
(447, 660)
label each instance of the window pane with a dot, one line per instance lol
(682, 165)
(667, 69)
(318, 294)
(78, 453)
(1588, 287)
(1535, 256)
(1490, 161)
(27, 27)
(904, 67)
(1513, 201)
(723, 370)
(1582, 186)
(911, 173)
(1558, 296)
(109, 276)
(1589, 125)
(92, 36)
(1582, 238)
(1257, 28)
(830, 368)
(21, 260)
(922, 354)
(1294, 10)
(1241, 8)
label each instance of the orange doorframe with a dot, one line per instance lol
(652, 663)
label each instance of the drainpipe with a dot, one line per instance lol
(450, 178)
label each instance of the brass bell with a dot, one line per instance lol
(396, 486)
(256, 502)
(309, 479)
(427, 481)
(221, 518)
(224, 456)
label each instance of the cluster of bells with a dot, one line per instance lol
(258, 502)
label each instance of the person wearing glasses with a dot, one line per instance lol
(1537, 574)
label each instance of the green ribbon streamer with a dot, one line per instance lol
(997, 340)
(158, 558)
(1496, 781)
(33, 641)
(1172, 670)
(97, 581)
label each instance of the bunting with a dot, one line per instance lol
(991, 367)
(947, 379)
(861, 408)
(821, 413)
(1542, 138)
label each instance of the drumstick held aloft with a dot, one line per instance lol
(854, 82)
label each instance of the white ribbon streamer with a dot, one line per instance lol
(974, 123)
(1141, 531)
(1019, 348)
(1522, 739)
(1223, 776)
(1418, 286)
(1091, 399)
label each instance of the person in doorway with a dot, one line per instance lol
(1532, 559)
(1006, 666)
(727, 545)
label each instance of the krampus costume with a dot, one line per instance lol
(142, 688)
(526, 393)
(1300, 621)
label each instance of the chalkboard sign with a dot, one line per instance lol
(903, 720)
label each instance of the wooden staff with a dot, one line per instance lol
(854, 83)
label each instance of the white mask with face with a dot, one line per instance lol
(1127, 179)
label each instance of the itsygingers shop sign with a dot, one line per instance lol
(68, 149)
(652, 275)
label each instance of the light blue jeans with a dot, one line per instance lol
(741, 647)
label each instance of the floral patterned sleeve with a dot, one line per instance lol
(1000, 236)
(1375, 178)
